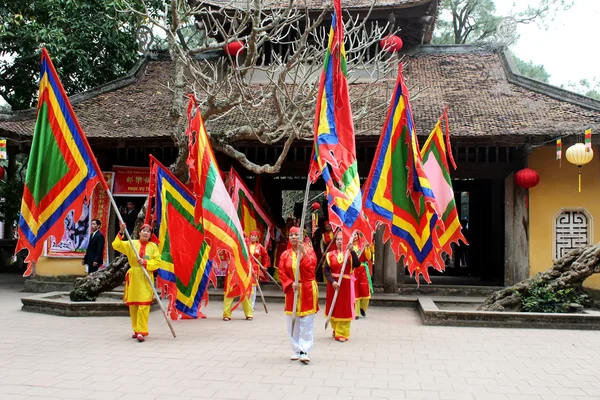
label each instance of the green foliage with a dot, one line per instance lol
(541, 299)
(531, 70)
(585, 87)
(470, 21)
(89, 41)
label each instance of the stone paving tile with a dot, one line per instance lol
(391, 355)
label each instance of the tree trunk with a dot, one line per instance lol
(89, 287)
(567, 272)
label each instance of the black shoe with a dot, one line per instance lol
(363, 313)
(356, 317)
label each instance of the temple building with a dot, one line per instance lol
(500, 123)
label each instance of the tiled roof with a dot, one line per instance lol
(484, 98)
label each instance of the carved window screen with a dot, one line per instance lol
(572, 230)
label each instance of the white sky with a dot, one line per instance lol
(568, 49)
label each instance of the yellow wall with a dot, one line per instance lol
(59, 266)
(558, 189)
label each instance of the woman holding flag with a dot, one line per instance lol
(138, 294)
(301, 338)
(343, 311)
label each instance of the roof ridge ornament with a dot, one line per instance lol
(505, 36)
(145, 38)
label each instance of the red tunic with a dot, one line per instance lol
(344, 304)
(260, 253)
(363, 290)
(308, 295)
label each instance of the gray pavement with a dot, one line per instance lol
(390, 355)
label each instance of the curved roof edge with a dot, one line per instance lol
(513, 75)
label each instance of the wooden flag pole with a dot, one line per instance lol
(335, 295)
(112, 201)
(297, 274)
(266, 272)
(261, 294)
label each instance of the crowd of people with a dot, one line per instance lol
(320, 255)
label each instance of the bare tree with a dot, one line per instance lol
(272, 84)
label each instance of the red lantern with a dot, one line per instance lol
(2, 172)
(391, 43)
(527, 178)
(234, 48)
(315, 206)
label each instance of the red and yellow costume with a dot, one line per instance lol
(309, 291)
(362, 287)
(343, 312)
(302, 334)
(138, 293)
(260, 254)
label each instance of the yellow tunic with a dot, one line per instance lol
(137, 289)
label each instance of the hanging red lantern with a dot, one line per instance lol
(527, 178)
(315, 206)
(391, 43)
(2, 172)
(234, 48)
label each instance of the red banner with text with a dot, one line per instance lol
(131, 181)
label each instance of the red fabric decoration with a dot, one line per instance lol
(2, 172)
(315, 206)
(391, 43)
(527, 178)
(234, 48)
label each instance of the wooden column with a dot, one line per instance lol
(378, 265)
(516, 233)
(390, 270)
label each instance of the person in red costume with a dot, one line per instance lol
(260, 253)
(301, 338)
(343, 312)
(362, 285)
(327, 237)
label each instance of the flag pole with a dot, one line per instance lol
(265, 271)
(322, 260)
(261, 294)
(112, 201)
(297, 274)
(335, 295)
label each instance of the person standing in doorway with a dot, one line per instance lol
(302, 337)
(129, 215)
(94, 254)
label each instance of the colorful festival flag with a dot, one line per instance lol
(251, 214)
(558, 149)
(186, 268)
(588, 139)
(214, 208)
(62, 169)
(398, 194)
(435, 154)
(334, 151)
(3, 153)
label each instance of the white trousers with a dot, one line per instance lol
(302, 339)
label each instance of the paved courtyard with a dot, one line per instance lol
(390, 355)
